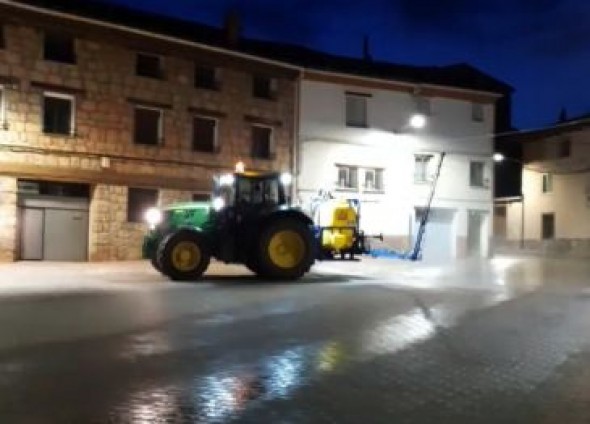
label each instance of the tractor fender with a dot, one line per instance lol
(287, 213)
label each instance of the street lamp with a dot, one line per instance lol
(417, 121)
(498, 157)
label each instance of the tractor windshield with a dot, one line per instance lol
(256, 191)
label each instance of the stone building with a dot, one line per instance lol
(104, 112)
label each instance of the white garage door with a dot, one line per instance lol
(437, 243)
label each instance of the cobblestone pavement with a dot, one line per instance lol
(514, 349)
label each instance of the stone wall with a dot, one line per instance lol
(8, 219)
(102, 152)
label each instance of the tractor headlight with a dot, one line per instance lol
(153, 216)
(286, 178)
(218, 203)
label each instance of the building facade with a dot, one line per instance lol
(553, 214)
(356, 143)
(100, 120)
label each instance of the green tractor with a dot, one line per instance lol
(250, 221)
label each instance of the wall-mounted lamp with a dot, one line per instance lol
(417, 121)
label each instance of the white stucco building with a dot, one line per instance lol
(355, 141)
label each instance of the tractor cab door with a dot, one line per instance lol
(255, 198)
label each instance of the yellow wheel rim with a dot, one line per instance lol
(186, 256)
(286, 249)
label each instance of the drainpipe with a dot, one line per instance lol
(296, 142)
(522, 220)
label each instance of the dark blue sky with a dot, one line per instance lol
(540, 47)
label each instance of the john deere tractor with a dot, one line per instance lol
(249, 221)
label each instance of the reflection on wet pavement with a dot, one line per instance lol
(364, 352)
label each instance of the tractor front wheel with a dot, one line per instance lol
(285, 250)
(183, 256)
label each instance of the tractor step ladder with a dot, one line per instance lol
(416, 252)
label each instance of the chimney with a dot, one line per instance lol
(367, 49)
(232, 27)
(562, 115)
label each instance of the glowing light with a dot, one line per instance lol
(218, 203)
(418, 121)
(240, 167)
(153, 216)
(498, 157)
(226, 180)
(286, 178)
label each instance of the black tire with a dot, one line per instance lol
(169, 263)
(268, 268)
(154, 262)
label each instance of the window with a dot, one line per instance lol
(347, 177)
(547, 183)
(139, 200)
(373, 179)
(356, 111)
(257, 191)
(148, 126)
(148, 65)
(564, 148)
(3, 120)
(206, 77)
(58, 114)
(548, 226)
(423, 105)
(263, 87)
(2, 37)
(261, 142)
(477, 112)
(201, 197)
(476, 171)
(421, 168)
(204, 134)
(59, 47)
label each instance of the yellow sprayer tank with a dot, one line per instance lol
(342, 217)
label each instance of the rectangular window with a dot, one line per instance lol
(204, 134)
(201, 197)
(139, 200)
(3, 120)
(264, 87)
(347, 177)
(476, 171)
(206, 77)
(58, 114)
(564, 148)
(477, 112)
(548, 226)
(149, 66)
(59, 47)
(421, 168)
(356, 111)
(423, 105)
(373, 179)
(547, 183)
(261, 142)
(148, 126)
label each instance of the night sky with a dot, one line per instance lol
(540, 47)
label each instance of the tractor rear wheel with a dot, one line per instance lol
(285, 250)
(183, 255)
(154, 262)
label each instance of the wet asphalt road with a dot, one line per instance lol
(332, 349)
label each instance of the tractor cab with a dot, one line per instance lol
(245, 190)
